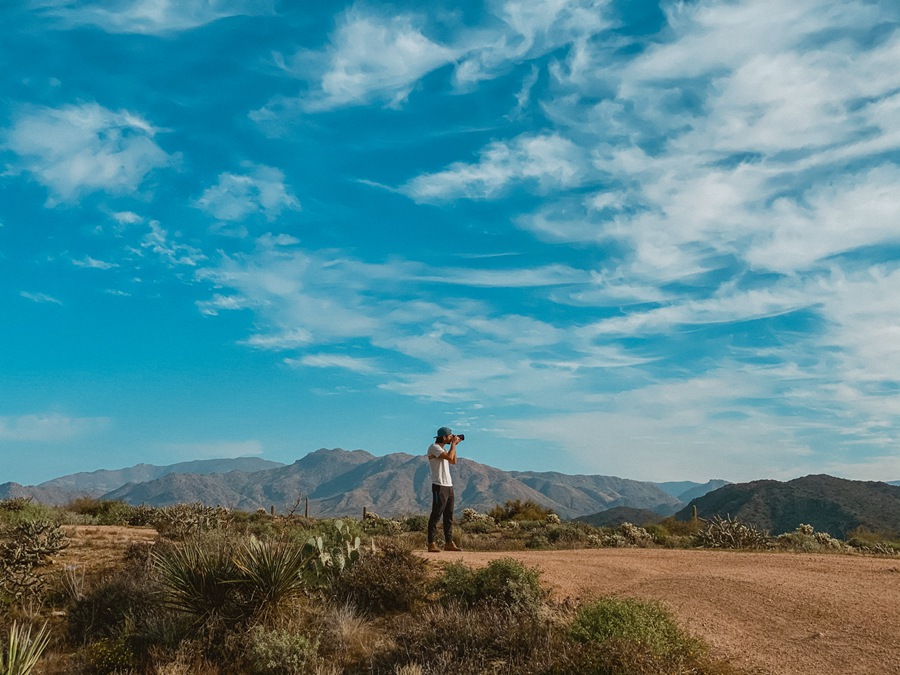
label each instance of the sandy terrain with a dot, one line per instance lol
(768, 612)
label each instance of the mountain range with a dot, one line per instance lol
(833, 505)
(339, 482)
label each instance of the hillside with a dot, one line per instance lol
(621, 514)
(96, 483)
(829, 504)
(339, 482)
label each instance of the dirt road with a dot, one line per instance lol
(779, 613)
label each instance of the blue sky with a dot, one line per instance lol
(658, 241)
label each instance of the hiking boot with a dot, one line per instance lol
(452, 547)
(433, 548)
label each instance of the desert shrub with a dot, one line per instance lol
(102, 511)
(646, 623)
(15, 504)
(566, 534)
(331, 552)
(874, 541)
(477, 527)
(537, 540)
(183, 520)
(504, 582)
(681, 528)
(106, 657)
(628, 535)
(269, 573)
(376, 525)
(472, 640)
(23, 649)
(518, 510)
(111, 607)
(390, 579)
(807, 540)
(416, 523)
(198, 579)
(733, 534)
(278, 651)
(23, 548)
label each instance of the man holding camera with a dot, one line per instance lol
(440, 460)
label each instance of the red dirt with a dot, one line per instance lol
(779, 613)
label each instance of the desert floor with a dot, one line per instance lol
(784, 613)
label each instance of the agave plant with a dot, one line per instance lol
(198, 579)
(23, 650)
(271, 572)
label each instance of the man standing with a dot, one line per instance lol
(440, 460)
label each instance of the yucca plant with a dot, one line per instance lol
(270, 572)
(23, 650)
(198, 579)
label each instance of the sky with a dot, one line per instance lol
(655, 240)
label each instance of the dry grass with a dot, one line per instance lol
(96, 548)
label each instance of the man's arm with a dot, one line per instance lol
(450, 455)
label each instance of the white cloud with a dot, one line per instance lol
(41, 298)
(48, 427)
(84, 148)
(236, 196)
(354, 364)
(92, 263)
(160, 242)
(550, 160)
(374, 57)
(153, 17)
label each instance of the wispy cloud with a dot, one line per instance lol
(92, 263)
(48, 427)
(152, 17)
(77, 149)
(41, 298)
(373, 57)
(236, 196)
(548, 161)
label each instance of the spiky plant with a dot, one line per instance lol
(23, 650)
(270, 573)
(198, 578)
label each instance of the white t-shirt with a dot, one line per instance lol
(440, 468)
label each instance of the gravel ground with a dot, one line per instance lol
(780, 613)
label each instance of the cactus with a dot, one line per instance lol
(333, 555)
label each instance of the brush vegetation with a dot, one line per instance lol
(215, 591)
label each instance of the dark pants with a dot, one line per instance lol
(441, 505)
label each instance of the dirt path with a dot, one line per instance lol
(777, 613)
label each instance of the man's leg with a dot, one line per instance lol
(437, 508)
(448, 517)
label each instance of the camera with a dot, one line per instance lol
(461, 437)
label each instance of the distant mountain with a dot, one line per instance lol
(829, 504)
(96, 483)
(700, 490)
(338, 482)
(621, 514)
(686, 490)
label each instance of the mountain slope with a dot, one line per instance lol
(829, 504)
(95, 483)
(338, 482)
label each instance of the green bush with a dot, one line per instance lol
(106, 657)
(416, 524)
(390, 579)
(280, 652)
(646, 623)
(516, 509)
(472, 640)
(504, 582)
